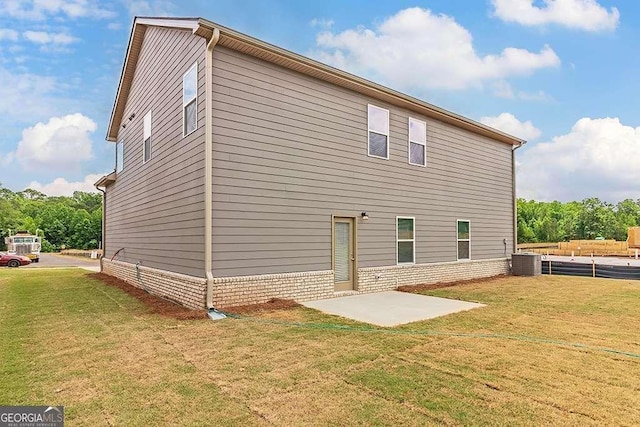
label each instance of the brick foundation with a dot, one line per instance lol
(377, 279)
(305, 286)
(187, 290)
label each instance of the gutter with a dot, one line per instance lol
(208, 172)
(515, 200)
(104, 182)
(104, 223)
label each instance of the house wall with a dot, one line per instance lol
(155, 210)
(290, 151)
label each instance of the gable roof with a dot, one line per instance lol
(251, 46)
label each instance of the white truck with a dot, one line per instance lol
(25, 244)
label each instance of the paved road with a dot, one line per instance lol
(57, 260)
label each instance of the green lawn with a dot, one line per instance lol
(69, 340)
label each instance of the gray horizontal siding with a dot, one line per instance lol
(155, 210)
(290, 151)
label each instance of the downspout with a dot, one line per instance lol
(515, 200)
(104, 223)
(208, 172)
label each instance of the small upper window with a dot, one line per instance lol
(119, 156)
(189, 100)
(405, 240)
(464, 239)
(146, 149)
(378, 132)
(417, 142)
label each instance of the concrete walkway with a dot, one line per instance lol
(390, 308)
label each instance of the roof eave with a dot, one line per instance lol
(229, 37)
(106, 180)
(131, 59)
(283, 57)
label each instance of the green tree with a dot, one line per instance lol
(96, 227)
(90, 202)
(80, 233)
(32, 194)
(525, 233)
(596, 219)
(527, 215)
(27, 224)
(9, 215)
(588, 219)
(627, 215)
(569, 222)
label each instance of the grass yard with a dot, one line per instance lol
(70, 340)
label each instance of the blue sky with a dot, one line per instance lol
(560, 73)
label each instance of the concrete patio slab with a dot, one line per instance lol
(390, 308)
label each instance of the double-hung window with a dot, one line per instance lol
(189, 100)
(119, 156)
(417, 142)
(405, 240)
(464, 239)
(146, 148)
(378, 126)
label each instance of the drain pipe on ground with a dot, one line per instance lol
(208, 178)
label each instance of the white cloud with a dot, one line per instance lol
(59, 144)
(6, 159)
(62, 187)
(534, 96)
(598, 158)
(510, 124)
(502, 89)
(25, 95)
(42, 37)
(322, 23)
(417, 49)
(585, 15)
(7, 34)
(40, 9)
(114, 26)
(16, 48)
(150, 8)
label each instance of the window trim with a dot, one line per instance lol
(369, 130)
(194, 99)
(119, 156)
(424, 144)
(413, 218)
(463, 240)
(145, 137)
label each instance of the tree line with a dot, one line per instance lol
(589, 219)
(71, 222)
(76, 221)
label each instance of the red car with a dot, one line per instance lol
(13, 260)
